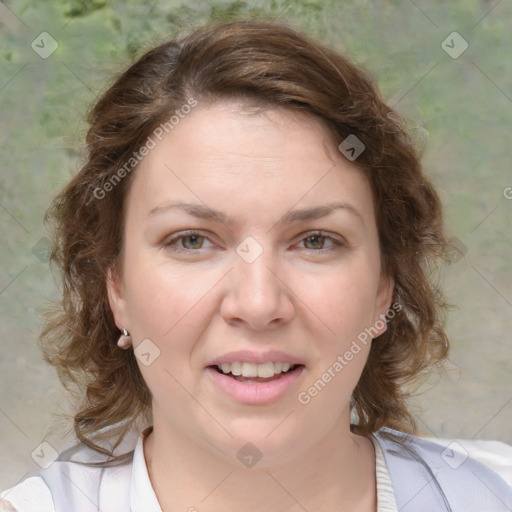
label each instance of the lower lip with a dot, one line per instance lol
(256, 393)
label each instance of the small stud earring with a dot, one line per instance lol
(125, 340)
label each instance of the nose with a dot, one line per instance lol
(257, 296)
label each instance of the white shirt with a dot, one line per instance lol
(33, 495)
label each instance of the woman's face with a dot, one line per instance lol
(250, 239)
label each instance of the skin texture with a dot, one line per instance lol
(298, 296)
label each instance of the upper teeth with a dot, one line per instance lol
(264, 370)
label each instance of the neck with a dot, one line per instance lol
(338, 474)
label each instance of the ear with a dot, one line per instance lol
(383, 301)
(116, 299)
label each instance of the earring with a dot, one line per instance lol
(125, 340)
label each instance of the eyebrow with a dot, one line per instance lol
(204, 212)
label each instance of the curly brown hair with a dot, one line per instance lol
(276, 66)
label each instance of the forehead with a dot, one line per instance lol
(229, 154)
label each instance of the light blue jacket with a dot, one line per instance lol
(425, 479)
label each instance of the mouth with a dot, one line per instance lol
(252, 372)
(256, 384)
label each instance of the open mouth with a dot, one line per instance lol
(248, 372)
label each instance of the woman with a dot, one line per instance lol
(245, 258)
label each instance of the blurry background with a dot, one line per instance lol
(57, 55)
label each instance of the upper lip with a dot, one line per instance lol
(246, 356)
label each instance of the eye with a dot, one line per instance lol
(193, 241)
(186, 241)
(317, 240)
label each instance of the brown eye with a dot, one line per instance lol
(195, 241)
(190, 241)
(317, 242)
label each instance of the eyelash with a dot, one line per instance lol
(169, 244)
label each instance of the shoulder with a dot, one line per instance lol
(496, 455)
(445, 475)
(78, 480)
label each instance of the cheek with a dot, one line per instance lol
(345, 307)
(160, 297)
(343, 300)
(167, 306)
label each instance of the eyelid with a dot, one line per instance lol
(338, 239)
(183, 234)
